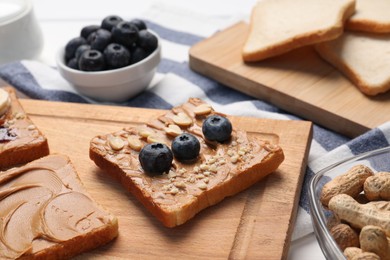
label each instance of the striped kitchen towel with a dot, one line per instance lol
(41, 81)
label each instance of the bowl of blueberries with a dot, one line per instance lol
(113, 61)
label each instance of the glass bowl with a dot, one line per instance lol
(377, 160)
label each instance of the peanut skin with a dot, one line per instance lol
(350, 183)
(345, 236)
(373, 239)
(359, 215)
(377, 187)
(350, 252)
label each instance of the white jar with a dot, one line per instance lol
(20, 34)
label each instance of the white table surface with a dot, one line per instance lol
(60, 20)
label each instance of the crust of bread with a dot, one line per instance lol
(175, 217)
(362, 57)
(23, 152)
(279, 26)
(99, 235)
(371, 16)
(225, 176)
(78, 245)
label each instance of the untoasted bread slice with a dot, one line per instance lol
(20, 140)
(279, 26)
(46, 213)
(362, 57)
(221, 170)
(371, 16)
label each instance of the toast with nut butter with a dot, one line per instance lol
(184, 161)
(20, 140)
(46, 212)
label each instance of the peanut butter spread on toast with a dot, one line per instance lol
(42, 204)
(217, 163)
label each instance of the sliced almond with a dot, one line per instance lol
(173, 130)
(116, 143)
(145, 132)
(203, 109)
(182, 119)
(154, 139)
(134, 143)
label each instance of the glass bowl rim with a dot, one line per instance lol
(315, 205)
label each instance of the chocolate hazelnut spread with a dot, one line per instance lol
(42, 204)
(217, 162)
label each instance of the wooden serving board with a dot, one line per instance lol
(299, 82)
(254, 224)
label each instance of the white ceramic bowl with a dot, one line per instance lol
(116, 85)
(20, 34)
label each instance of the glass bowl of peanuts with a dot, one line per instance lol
(350, 207)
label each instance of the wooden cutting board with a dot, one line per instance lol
(299, 82)
(254, 224)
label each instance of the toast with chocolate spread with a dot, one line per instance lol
(20, 140)
(177, 166)
(46, 213)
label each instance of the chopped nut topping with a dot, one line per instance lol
(145, 133)
(204, 167)
(173, 130)
(206, 180)
(31, 127)
(202, 109)
(174, 191)
(180, 184)
(234, 159)
(134, 143)
(19, 115)
(213, 168)
(116, 143)
(154, 139)
(191, 179)
(182, 119)
(11, 121)
(202, 186)
(199, 176)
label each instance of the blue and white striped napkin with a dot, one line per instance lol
(40, 81)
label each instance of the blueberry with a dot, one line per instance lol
(81, 49)
(92, 60)
(99, 39)
(217, 128)
(110, 21)
(73, 64)
(116, 56)
(185, 147)
(72, 45)
(156, 158)
(139, 23)
(147, 41)
(87, 30)
(137, 54)
(125, 33)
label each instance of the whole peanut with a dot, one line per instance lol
(377, 187)
(350, 183)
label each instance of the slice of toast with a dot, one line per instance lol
(371, 16)
(362, 57)
(279, 26)
(20, 140)
(221, 169)
(46, 213)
